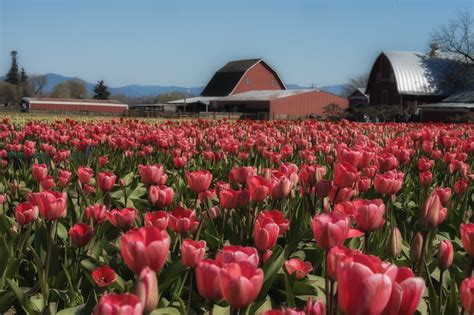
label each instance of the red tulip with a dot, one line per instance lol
(157, 219)
(388, 183)
(229, 198)
(259, 188)
(345, 175)
(350, 156)
(425, 178)
(361, 275)
(25, 212)
(199, 181)
(445, 255)
(323, 188)
(103, 160)
(369, 214)
(278, 217)
(241, 174)
(97, 213)
(298, 267)
(387, 162)
(112, 304)
(281, 187)
(335, 256)
(106, 181)
(64, 178)
(122, 219)
(39, 172)
(180, 162)
(160, 196)
(311, 174)
(444, 194)
(208, 279)
(192, 252)
(466, 291)
(265, 233)
(47, 183)
(406, 293)
(151, 174)
(330, 229)
(84, 174)
(207, 195)
(467, 238)
(230, 254)
(338, 194)
(183, 220)
(103, 276)
(51, 204)
(240, 283)
(315, 308)
(80, 234)
(147, 246)
(424, 164)
(147, 289)
(432, 214)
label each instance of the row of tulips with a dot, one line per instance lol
(134, 217)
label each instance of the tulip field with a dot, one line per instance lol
(123, 216)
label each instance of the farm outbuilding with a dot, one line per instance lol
(74, 105)
(407, 78)
(458, 107)
(234, 77)
(358, 97)
(283, 104)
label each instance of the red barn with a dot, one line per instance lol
(283, 104)
(234, 77)
(74, 105)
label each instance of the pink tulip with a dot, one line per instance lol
(445, 255)
(466, 291)
(192, 252)
(52, 205)
(298, 267)
(160, 196)
(199, 181)
(105, 181)
(240, 283)
(122, 219)
(39, 172)
(432, 213)
(147, 289)
(147, 246)
(230, 254)
(158, 219)
(112, 304)
(25, 212)
(84, 174)
(97, 213)
(151, 174)
(208, 279)
(183, 220)
(369, 214)
(467, 238)
(330, 229)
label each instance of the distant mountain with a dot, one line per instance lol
(128, 90)
(134, 90)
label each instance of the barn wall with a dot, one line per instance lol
(382, 78)
(78, 108)
(304, 104)
(261, 78)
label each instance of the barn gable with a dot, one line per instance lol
(229, 79)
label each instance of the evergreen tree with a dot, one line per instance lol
(13, 75)
(23, 76)
(101, 92)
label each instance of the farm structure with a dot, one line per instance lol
(74, 105)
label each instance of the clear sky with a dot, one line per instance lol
(182, 42)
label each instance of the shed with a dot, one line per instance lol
(458, 107)
(283, 104)
(73, 105)
(358, 97)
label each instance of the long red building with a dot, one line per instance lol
(74, 105)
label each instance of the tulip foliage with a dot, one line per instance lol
(198, 216)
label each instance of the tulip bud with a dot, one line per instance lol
(445, 255)
(147, 289)
(394, 243)
(416, 247)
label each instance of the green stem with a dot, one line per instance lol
(440, 294)
(48, 261)
(366, 242)
(188, 307)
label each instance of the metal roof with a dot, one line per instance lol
(417, 73)
(77, 102)
(264, 95)
(446, 105)
(462, 97)
(198, 99)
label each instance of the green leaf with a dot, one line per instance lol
(166, 310)
(24, 301)
(270, 269)
(62, 232)
(72, 310)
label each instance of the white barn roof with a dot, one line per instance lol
(417, 73)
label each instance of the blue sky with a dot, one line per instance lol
(182, 42)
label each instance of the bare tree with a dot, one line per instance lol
(457, 36)
(358, 81)
(38, 83)
(456, 40)
(333, 110)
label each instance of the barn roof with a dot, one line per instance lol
(265, 95)
(226, 78)
(462, 97)
(417, 73)
(198, 99)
